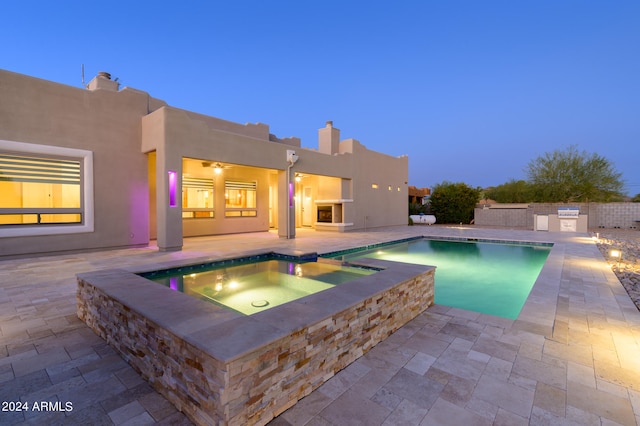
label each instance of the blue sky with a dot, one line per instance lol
(470, 90)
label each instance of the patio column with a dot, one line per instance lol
(169, 200)
(286, 205)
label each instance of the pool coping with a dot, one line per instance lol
(292, 255)
(333, 254)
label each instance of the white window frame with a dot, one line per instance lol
(86, 158)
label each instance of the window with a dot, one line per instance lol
(45, 190)
(197, 198)
(240, 198)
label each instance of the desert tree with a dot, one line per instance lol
(571, 175)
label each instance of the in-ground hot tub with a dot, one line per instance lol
(253, 286)
(219, 366)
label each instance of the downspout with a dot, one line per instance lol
(291, 159)
(289, 200)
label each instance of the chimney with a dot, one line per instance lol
(329, 139)
(103, 82)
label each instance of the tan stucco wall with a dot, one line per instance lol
(104, 122)
(375, 207)
(135, 140)
(175, 133)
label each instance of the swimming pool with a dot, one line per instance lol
(252, 286)
(489, 277)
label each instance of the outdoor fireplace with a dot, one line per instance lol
(325, 214)
(331, 216)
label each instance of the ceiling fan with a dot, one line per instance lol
(217, 167)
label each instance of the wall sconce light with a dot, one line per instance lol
(217, 169)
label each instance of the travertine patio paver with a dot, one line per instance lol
(570, 358)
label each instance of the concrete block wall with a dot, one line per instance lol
(616, 215)
(502, 217)
(600, 215)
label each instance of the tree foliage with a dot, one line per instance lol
(636, 199)
(454, 202)
(514, 191)
(573, 176)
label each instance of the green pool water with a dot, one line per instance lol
(260, 285)
(490, 278)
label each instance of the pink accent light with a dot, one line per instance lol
(290, 194)
(173, 188)
(173, 283)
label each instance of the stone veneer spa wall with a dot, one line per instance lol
(221, 367)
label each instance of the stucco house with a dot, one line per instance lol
(102, 167)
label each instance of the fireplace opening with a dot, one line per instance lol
(325, 214)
